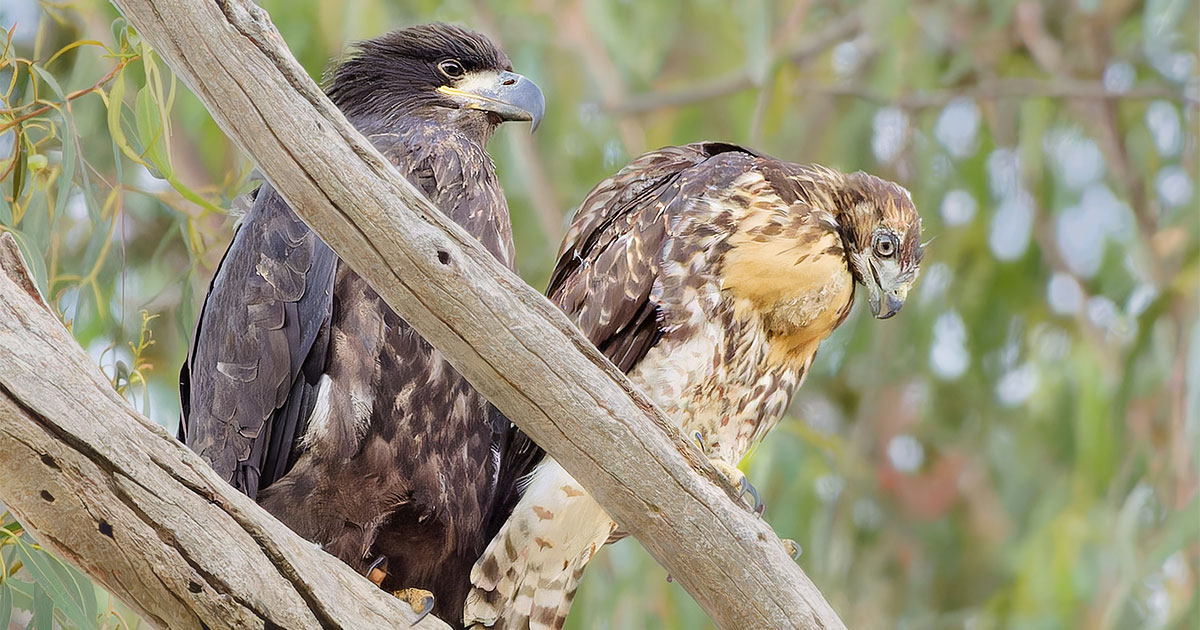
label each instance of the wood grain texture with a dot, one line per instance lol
(510, 343)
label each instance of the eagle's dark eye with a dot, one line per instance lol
(885, 246)
(452, 69)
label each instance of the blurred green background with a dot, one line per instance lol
(1018, 449)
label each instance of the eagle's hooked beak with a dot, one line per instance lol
(505, 94)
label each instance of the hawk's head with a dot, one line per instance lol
(435, 71)
(882, 234)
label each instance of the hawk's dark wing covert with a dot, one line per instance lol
(609, 259)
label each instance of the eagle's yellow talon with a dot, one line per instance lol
(420, 599)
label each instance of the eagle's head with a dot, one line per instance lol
(434, 71)
(882, 234)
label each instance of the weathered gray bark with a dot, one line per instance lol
(112, 493)
(510, 342)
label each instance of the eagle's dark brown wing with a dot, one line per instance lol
(609, 258)
(248, 385)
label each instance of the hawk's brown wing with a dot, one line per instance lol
(610, 256)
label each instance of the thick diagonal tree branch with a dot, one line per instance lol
(511, 343)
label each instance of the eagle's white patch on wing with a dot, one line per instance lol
(437, 367)
(318, 420)
(362, 401)
(495, 464)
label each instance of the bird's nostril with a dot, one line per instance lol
(510, 82)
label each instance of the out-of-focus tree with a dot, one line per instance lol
(1018, 449)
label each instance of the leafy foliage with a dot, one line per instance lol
(1017, 449)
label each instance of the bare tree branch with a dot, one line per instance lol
(837, 31)
(540, 188)
(1004, 89)
(509, 341)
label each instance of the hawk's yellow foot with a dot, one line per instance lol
(420, 599)
(792, 548)
(737, 479)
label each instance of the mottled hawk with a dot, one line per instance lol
(307, 392)
(710, 274)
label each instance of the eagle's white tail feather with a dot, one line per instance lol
(528, 574)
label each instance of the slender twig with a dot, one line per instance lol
(539, 187)
(779, 39)
(837, 31)
(699, 92)
(70, 97)
(1101, 117)
(577, 31)
(1005, 89)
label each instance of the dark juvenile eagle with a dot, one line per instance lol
(710, 274)
(306, 391)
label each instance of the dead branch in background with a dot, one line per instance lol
(999, 89)
(839, 30)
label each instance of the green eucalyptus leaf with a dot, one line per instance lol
(19, 165)
(6, 604)
(151, 133)
(80, 589)
(43, 568)
(43, 609)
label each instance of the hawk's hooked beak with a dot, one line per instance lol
(886, 293)
(889, 304)
(505, 94)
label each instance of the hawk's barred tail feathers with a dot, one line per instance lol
(527, 576)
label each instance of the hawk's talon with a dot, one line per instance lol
(792, 548)
(421, 600)
(748, 489)
(737, 479)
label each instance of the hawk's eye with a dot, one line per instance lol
(885, 246)
(452, 69)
